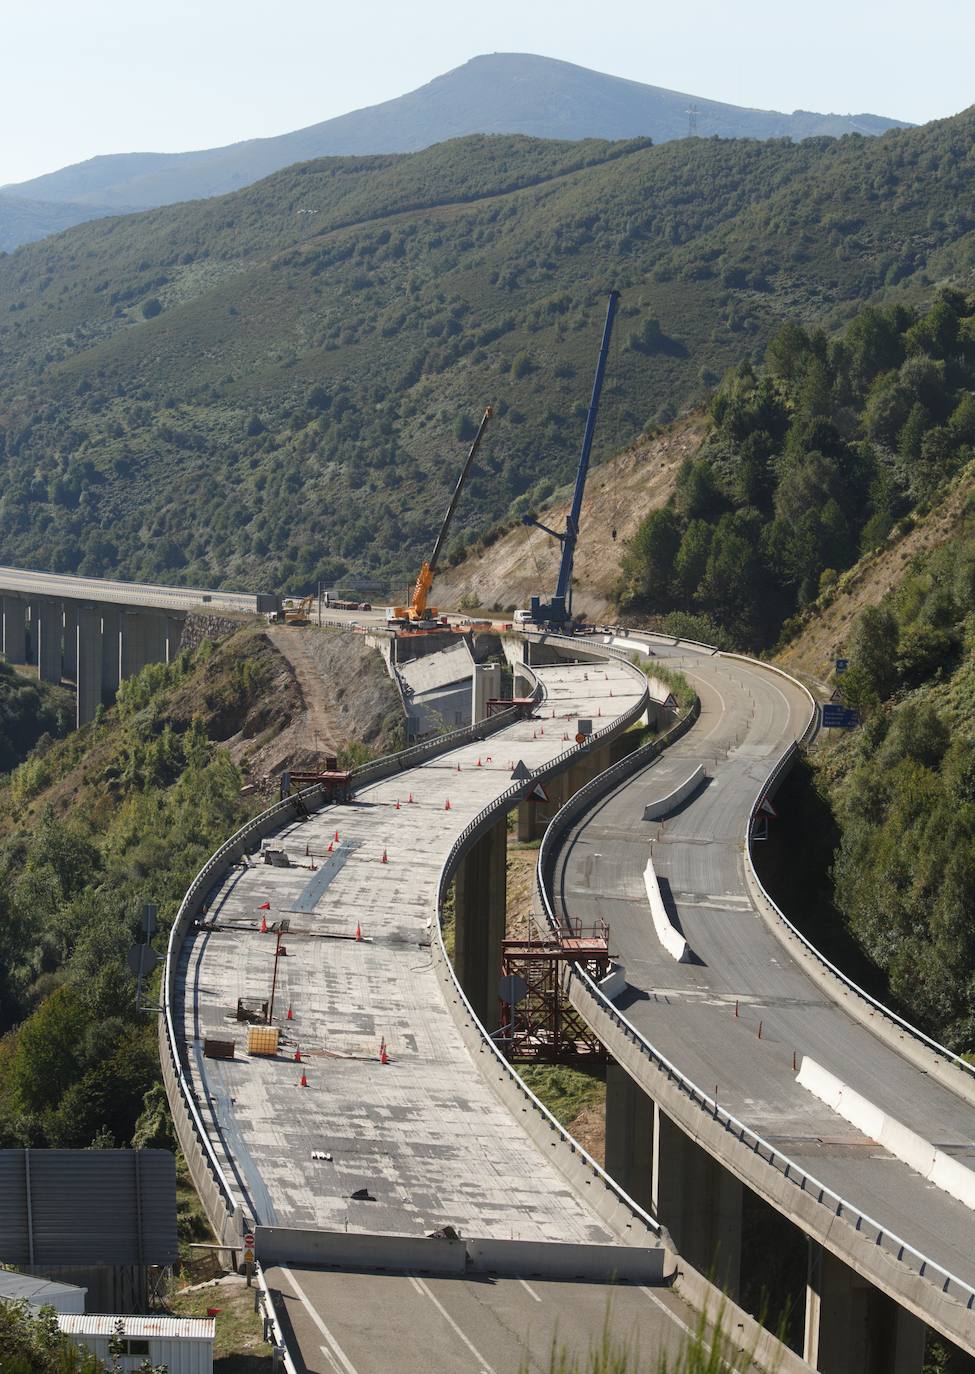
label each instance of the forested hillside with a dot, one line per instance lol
(118, 814)
(877, 850)
(276, 386)
(811, 461)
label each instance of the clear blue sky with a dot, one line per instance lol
(82, 77)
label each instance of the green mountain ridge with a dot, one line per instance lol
(510, 93)
(271, 387)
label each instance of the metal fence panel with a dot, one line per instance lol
(64, 1207)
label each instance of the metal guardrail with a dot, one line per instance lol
(838, 1206)
(781, 768)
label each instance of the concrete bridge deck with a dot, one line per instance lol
(425, 1135)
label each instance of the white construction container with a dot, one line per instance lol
(183, 1344)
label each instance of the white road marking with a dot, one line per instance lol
(648, 1292)
(421, 1287)
(335, 1353)
(529, 1290)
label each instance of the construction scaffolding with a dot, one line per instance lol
(538, 1023)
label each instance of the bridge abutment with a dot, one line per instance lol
(480, 909)
(852, 1327)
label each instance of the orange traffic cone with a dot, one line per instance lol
(383, 1056)
(397, 806)
(263, 925)
(358, 931)
(447, 804)
(303, 1082)
(336, 837)
(385, 860)
(478, 763)
(298, 1056)
(291, 1015)
(410, 797)
(329, 850)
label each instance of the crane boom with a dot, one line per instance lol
(418, 610)
(559, 609)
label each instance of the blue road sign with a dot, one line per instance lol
(836, 717)
(841, 665)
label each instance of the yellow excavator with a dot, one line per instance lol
(419, 615)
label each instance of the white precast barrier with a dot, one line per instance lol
(671, 938)
(941, 1169)
(654, 811)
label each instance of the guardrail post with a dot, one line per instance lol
(480, 908)
(851, 1325)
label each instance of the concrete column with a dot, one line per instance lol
(480, 907)
(15, 629)
(142, 640)
(485, 683)
(174, 635)
(70, 640)
(88, 653)
(589, 766)
(629, 1135)
(48, 622)
(699, 1202)
(853, 1328)
(534, 816)
(111, 635)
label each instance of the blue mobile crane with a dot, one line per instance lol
(556, 614)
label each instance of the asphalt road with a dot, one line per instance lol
(688, 1011)
(344, 1323)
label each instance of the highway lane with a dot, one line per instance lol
(348, 1323)
(688, 1011)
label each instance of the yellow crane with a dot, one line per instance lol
(418, 612)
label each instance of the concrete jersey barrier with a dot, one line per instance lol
(668, 934)
(939, 1168)
(655, 811)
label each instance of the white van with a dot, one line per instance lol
(522, 617)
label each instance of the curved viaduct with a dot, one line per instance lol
(708, 1098)
(432, 1144)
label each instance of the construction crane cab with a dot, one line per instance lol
(419, 615)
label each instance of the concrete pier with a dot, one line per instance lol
(89, 650)
(143, 639)
(852, 1327)
(629, 1134)
(48, 624)
(111, 651)
(699, 1201)
(480, 907)
(69, 639)
(15, 630)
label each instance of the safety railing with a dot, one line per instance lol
(831, 1201)
(759, 891)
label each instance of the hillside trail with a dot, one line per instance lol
(315, 731)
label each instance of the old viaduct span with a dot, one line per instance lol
(96, 633)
